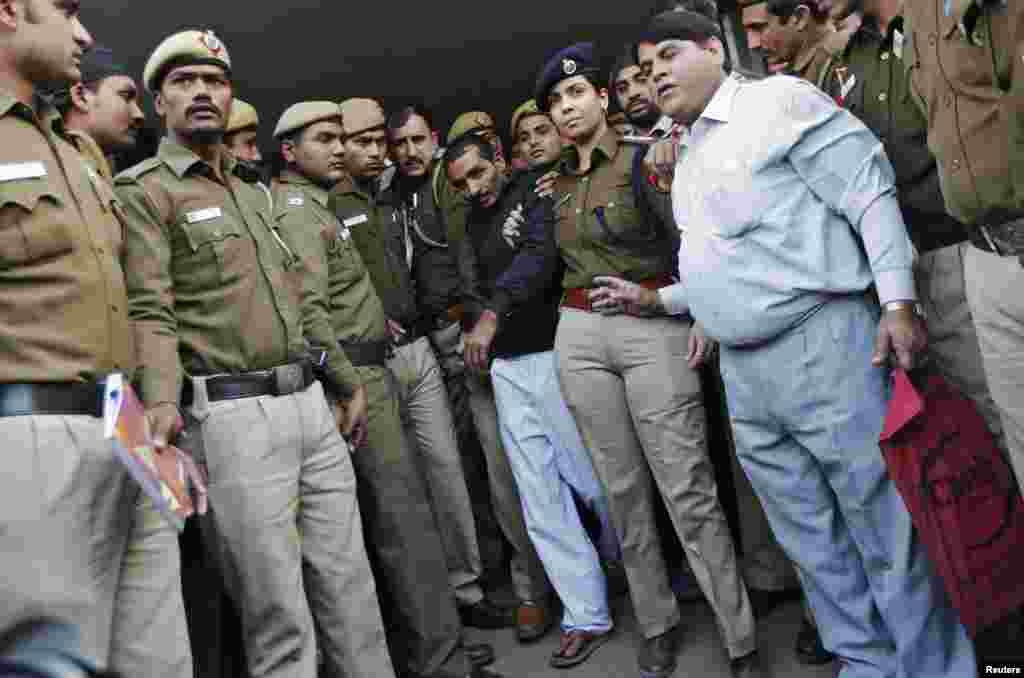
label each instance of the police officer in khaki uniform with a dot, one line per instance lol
(101, 112)
(791, 34)
(631, 382)
(240, 135)
(215, 295)
(869, 79)
(967, 67)
(93, 551)
(439, 295)
(370, 212)
(404, 537)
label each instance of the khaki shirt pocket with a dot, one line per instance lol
(32, 224)
(213, 250)
(619, 220)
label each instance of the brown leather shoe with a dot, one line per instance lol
(533, 621)
(576, 647)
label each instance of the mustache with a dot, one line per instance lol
(203, 106)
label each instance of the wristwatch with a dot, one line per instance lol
(915, 306)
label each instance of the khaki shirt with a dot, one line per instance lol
(92, 153)
(64, 314)
(334, 267)
(600, 228)
(973, 96)
(869, 80)
(383, 246)
(212, 289)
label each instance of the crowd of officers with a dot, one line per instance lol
(380, 304)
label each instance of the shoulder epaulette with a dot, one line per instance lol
(135, 171)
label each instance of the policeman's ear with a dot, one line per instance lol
(435, 137)
(602, 94)
(10, 14)
(81, 98)
(801, 17)
(288, 150)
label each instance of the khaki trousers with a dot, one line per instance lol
(528, 576)
(995, 292)
(79, 541)
(405, 541)
(427, 418)
(640, 411)
(283, 505)
(952, 338)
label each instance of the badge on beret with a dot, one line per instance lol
(211, 42)
(568, 66)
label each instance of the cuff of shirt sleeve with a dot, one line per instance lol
(895, 285)
(673, 298)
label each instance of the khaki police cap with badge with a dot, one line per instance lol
(304, 114)
(525, 110)
(361, 115)
(187, 48)
(468, 122)
(243, 116)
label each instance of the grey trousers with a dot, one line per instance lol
(528, 576)
(427, 418)
(283, 504)
(79, 541)
(640, 411)
(405, 541)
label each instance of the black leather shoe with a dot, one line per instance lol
(748, 666)
(809, 650)
(487, 615)
(479, 654)
(658, 656)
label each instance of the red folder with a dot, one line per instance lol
(961, 494)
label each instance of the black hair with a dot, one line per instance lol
(784, 9)
(707, 8)
(461, 144)
(62, 99)
(400, 118)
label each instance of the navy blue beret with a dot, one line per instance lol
(98, 63)
(578, 59)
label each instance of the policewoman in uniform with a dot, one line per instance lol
(215, 296)
(81, 542)
(627, 380)
(404, 538)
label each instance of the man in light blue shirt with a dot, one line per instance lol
(788, 215)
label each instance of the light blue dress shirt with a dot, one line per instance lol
(783, 200)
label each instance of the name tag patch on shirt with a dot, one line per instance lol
(355, 221)
(296, 201)
(203, 215)
(22, 170)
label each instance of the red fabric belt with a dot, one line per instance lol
(578, 297)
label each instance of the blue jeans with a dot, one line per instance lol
(549, 460)
(807, 410)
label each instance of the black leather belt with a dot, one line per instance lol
(277, 381)
(367, 353)
(70, 398)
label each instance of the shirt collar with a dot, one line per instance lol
(45, 113)
(608, 146)
(720, 107)
(314, 190)
(181, 159)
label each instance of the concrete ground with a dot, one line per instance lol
(701, 653)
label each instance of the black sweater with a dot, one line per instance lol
(521, 285)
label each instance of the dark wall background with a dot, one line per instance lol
(453, 56)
